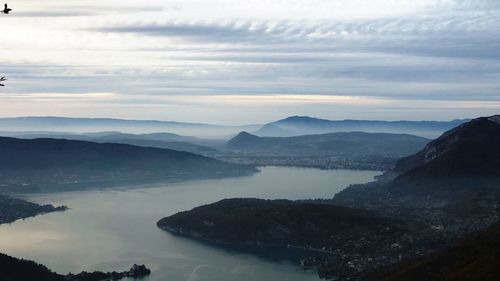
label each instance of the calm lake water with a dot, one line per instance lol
(112, 229)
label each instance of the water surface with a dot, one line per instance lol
(113, 228)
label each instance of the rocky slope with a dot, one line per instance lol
(463, 163)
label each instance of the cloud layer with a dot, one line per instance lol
(212, 60)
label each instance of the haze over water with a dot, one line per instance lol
(112, 229)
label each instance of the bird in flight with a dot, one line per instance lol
(6, 9)
(2, 79)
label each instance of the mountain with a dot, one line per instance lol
(471, 149)
(274, 130)
(164, 137)
(363, 150)
(244, 140)
(162, 140)
(79, 125)
(173, 145)
(305, 125)
(341, 144)
(461, 164)
(269, 222)
(158, 140)
(52, 162)
(475, 257)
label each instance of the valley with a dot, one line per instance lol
(423, 205)
(339, 224)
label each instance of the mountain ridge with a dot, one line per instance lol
(79, 125)
(338, 143)
(159, 140)
(304, 125)
(51, 162)
(463, 160)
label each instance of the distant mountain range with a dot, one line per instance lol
(291, 126)
(79, 125)
(49, 163)
(305, 125)
(341, 144)
(158, 140)
(356, 150)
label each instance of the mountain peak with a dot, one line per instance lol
(301, 119)
(298, 117)
(244, 134)
(243, 139)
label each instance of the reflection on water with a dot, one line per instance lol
(112, 229)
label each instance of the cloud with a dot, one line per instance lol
(51, 14)
(461, 35)
(432, 51)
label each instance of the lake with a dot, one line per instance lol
(112, 229)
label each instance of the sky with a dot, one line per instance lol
(251, 61)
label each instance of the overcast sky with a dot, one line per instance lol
(251, 61)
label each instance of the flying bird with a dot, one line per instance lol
(2, 79)
(6, 9)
